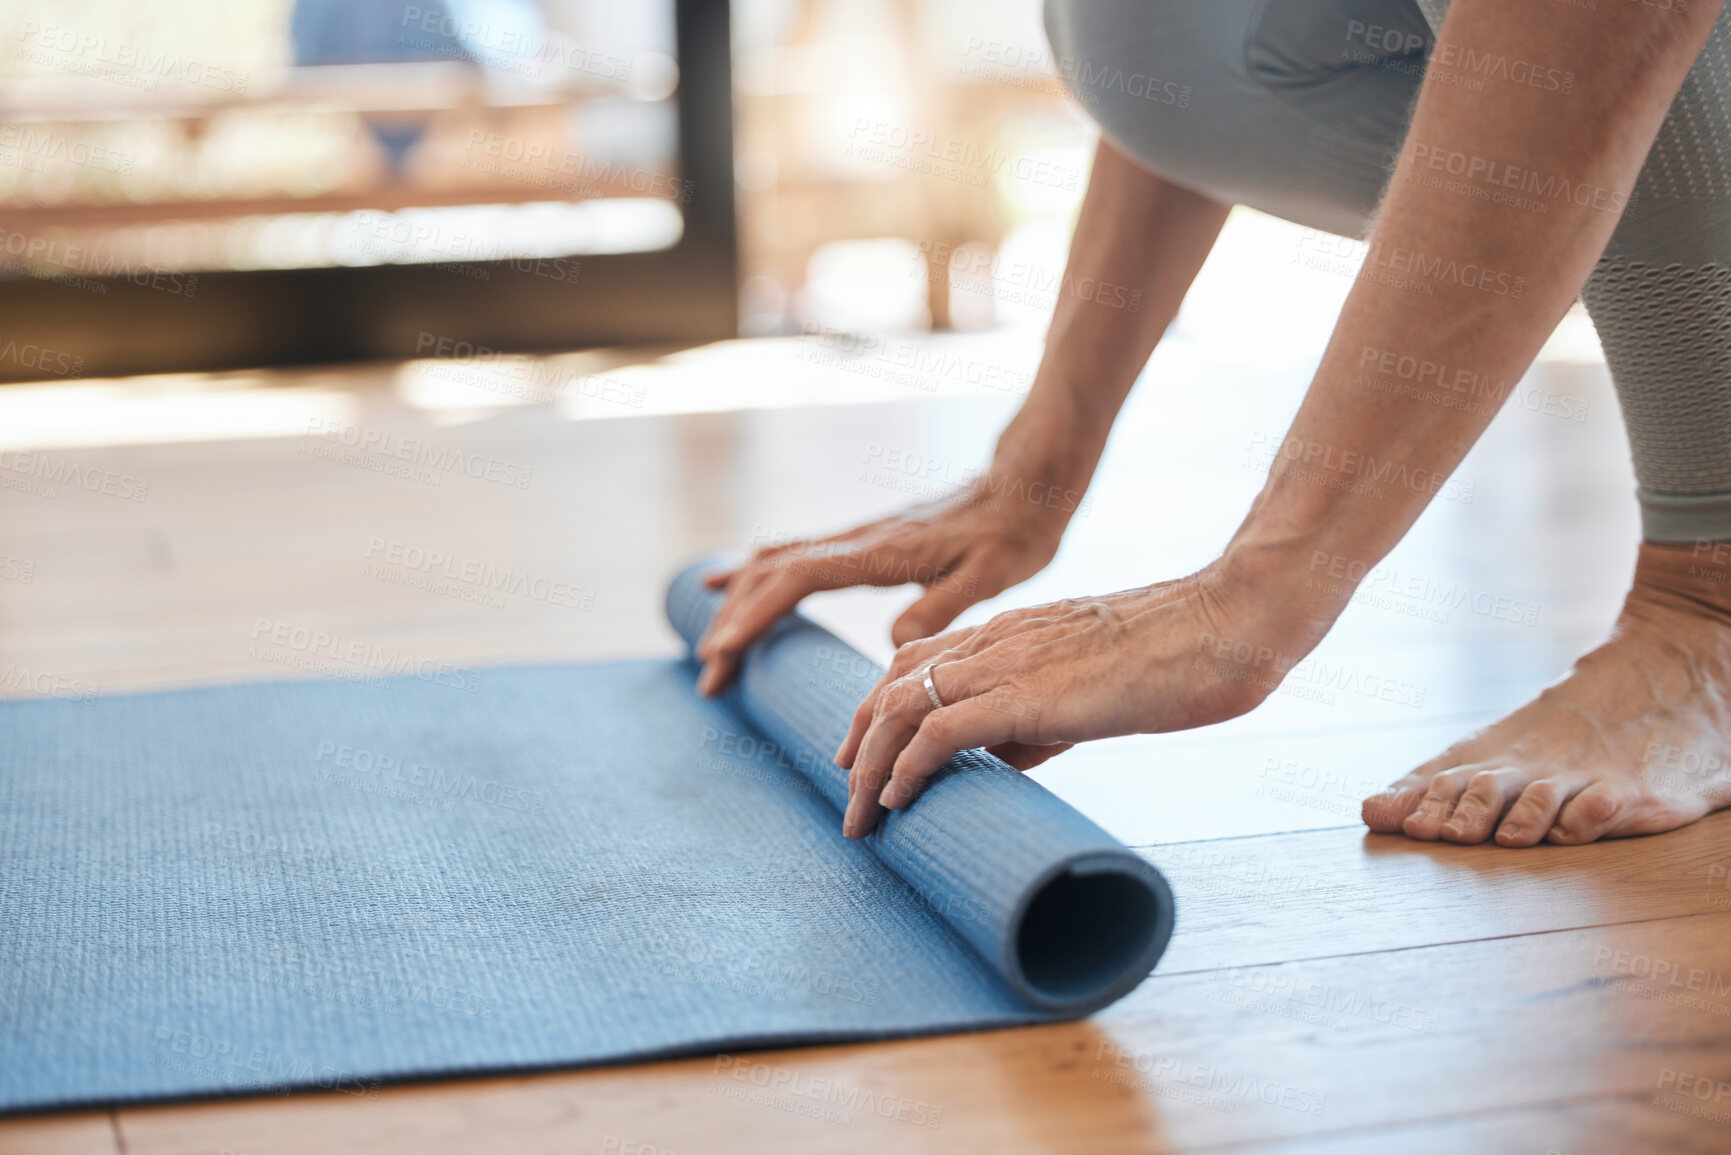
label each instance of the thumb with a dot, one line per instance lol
(944, 600)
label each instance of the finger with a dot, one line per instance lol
(943, 601)
(761, 607)
(917, 655)
(720, 577)
(748, 578)
(941, 735)
(899, 710)
(1025, 756)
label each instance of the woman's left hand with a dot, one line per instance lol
(1032, 682)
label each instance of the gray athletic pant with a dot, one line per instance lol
(1299, 108)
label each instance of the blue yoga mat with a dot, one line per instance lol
(330, 884)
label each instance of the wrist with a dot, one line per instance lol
(1051, 440)
(1299, 583)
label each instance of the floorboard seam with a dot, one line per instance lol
(1241, 837)
(1451, 942)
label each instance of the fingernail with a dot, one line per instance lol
(706, 681)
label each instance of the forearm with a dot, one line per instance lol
(1460, 287)
(1146, 239)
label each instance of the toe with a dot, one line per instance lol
(1535, 811)
(1438, 803)
(1385, 812)
(1587, 816)
(1487, 796)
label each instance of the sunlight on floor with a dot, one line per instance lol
(1260, 301)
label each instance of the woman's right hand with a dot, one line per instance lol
(963, 548)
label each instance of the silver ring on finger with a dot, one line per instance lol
(931, 689)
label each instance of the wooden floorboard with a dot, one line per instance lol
(1325, 991)
(1247, 901)
(83, 1133)
(1602, 1127)
(1316, 1048)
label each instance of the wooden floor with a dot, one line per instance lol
(1325, 990)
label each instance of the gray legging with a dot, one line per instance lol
(1299, 108)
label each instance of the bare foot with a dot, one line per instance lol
(1636, 740)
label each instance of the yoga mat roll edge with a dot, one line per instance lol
(1068, 916)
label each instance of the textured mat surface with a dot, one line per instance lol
(330, 883)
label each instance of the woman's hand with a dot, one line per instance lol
(1030, 683)
(963, 549)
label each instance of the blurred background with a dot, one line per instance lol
(287, 283)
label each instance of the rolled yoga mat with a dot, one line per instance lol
(331, 883)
